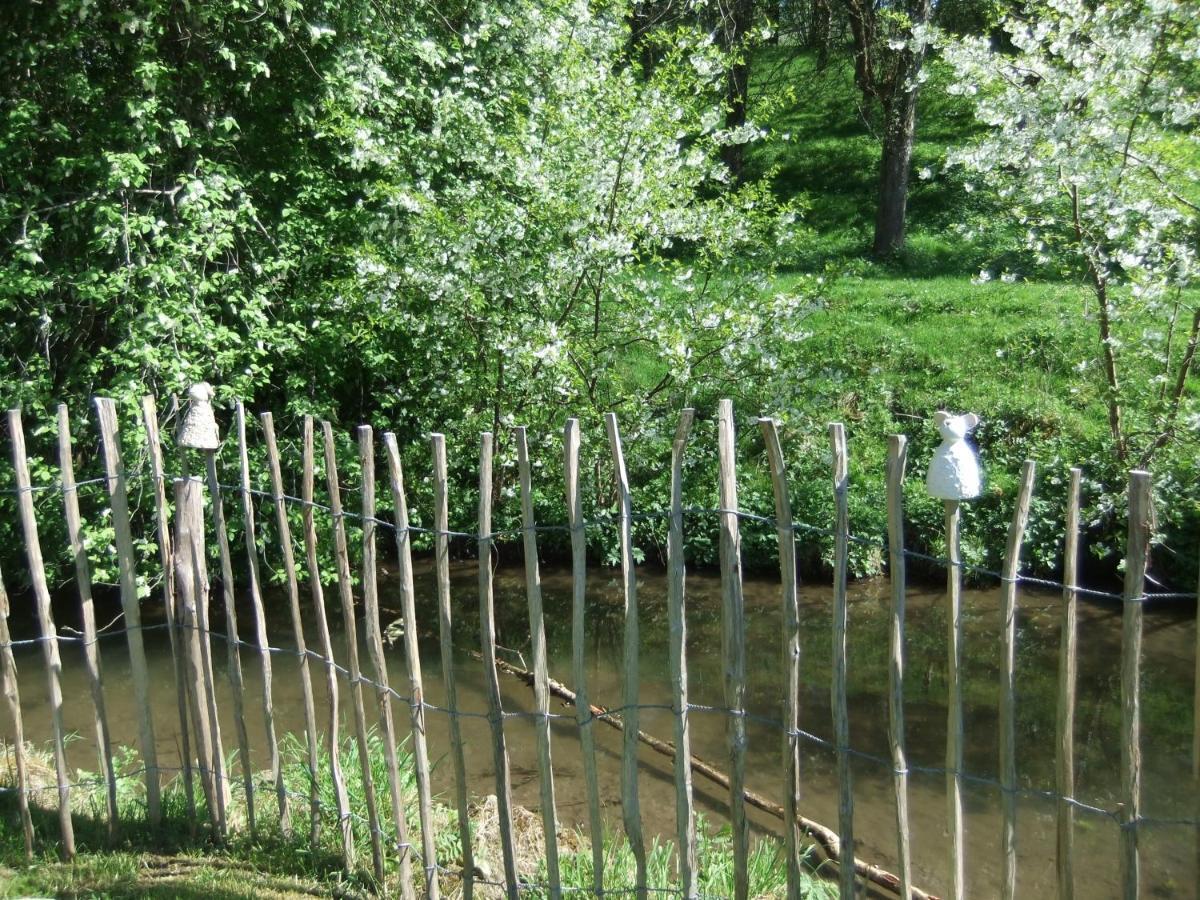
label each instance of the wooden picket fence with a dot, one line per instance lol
(186, 594)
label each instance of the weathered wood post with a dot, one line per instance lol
(953, 477)
(383, 690)
(441, 529)
(340, 797)
(1064, 760)
(897, 461)
(838, 699)
(541, 676)
(200, 417)
(1008, 680)
(163, 523)
(412, 664)
(91, 644)
(260, 624)
(487, 640)
(583, 713)
(293, 588)
(192, 587)
(1137, 559)
(49, 634)
(354, 670)
(685, 812)
(12, 695)
(631, 811)
(786, 537)
(198, 431)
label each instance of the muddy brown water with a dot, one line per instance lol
(1170, 853)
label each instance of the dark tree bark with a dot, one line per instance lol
(736, 16)
(889, 77)
(820, 21)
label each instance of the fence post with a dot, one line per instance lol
(293, 589)
(412, 662)
(346, 596)
(163, 523)
(583, 713)
(1008, 685)
(541, 677)
(954, 723)
(331, 683)
(119, 501)
(49, 641)
(685, 813)
(733, 641)
(841, 718)
(91, 646)
(191, 587)
(1064, 762)
(232, 639)
(383, 690)
(375, 653)
(441, 544)
(487, 625)
(897, 460)
(630, 808)
(786, 536)
(260, 623)
(1137, 557)
(12, 694)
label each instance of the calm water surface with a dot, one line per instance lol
(1170, 853)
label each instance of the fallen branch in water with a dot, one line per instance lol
(823, 840)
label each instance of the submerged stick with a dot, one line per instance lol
(824, 841)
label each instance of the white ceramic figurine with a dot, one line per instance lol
(954, 470)
(199, 428)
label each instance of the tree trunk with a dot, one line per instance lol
(900, 127)
(820, 18)
(735, 25)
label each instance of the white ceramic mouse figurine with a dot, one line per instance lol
(954, 470)
(199, 428)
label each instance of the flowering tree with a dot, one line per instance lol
(1094, 113)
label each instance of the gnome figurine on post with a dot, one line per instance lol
(199, 427)
(954, 470)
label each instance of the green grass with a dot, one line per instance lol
(178, 859)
